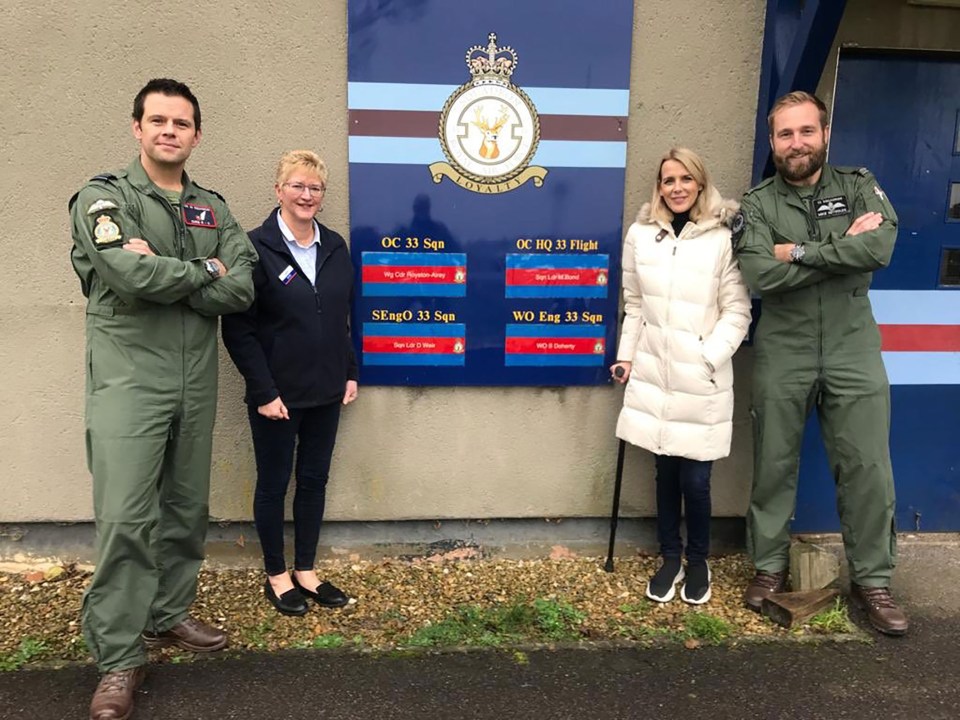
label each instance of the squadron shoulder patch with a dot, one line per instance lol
(100, 206)
(106, 232)
(199, 215)
(738, 223)
(831, 207)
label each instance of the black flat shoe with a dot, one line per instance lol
(291, 602)
(327, 595)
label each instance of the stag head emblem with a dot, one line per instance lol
(488, 145)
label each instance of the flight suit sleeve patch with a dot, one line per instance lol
(199, 215)
(106, 232)
(737, 226)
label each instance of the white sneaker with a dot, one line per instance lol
(662, 586)
(696, 590)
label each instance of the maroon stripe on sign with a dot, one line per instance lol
(403, 123)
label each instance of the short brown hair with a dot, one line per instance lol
(797, 97)
(301, 160)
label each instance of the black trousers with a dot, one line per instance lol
(683, 485)
(311, 433)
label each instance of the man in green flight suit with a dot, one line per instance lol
(810, 238)
(159, 259)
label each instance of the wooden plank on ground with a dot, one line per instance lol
(793, 608)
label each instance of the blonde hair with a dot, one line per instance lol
(694, 165)
(301, 160)
(797, 97)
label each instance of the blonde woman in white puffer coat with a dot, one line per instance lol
(687, 311)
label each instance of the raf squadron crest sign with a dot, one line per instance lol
(489, 128)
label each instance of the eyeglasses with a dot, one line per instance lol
(298, 188)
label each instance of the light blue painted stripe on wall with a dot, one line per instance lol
(916, 307)
(424, 151)
(548, 101)
(922, 368)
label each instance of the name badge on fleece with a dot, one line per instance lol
(199, 215)
(288, 274)
(831, 207)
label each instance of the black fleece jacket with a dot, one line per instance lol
(294, 340)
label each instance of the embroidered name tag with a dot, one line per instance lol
(831, 207)
(288, 274)
(199, 215)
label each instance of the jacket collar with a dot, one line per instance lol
(139, 179)
(273, 238)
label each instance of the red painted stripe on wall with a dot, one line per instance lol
(920, 338)
(417, 123)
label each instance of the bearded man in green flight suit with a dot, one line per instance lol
(159, 259)
(809, 240)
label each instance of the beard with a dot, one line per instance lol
(797, 167)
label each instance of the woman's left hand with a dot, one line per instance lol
(350, 392)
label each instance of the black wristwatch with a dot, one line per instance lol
(797, 253)
(213, 270)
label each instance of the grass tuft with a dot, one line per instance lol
(331, 640)
(541, 620)
(834, 620)
(28, 651)
(706, 628)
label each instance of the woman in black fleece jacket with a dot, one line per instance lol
(293, 348)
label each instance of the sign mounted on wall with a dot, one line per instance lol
(486, 190)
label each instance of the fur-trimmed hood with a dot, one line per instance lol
(720, 212)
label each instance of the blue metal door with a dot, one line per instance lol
(898, 113)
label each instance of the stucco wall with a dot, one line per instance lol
(270, 77)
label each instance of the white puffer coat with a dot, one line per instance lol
(687, 311)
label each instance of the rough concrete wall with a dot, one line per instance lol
(890, 24)
(270, 77)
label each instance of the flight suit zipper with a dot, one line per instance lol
(814, 228)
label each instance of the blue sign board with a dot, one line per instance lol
(487, 153)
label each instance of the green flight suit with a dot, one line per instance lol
(817, 345)
(151, 371)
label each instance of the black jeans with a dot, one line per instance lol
(683, 482)
(313, 431)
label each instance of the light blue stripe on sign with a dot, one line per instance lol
(555, 331)
(399, 329)
(424, 151)
(371, 289)
(401, 259)
(427, 97)
(413, 359)
(916, 307)
(542, 261)
(524, 360)
(922, 368)
(555, 291)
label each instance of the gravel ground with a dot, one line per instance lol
(394, 600)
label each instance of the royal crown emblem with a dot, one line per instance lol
(489, 129)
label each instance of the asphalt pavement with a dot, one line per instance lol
(914, 677)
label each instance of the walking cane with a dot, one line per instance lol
(608, 565)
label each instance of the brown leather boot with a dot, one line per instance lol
(764, 585)
(113, 699)
(189, 634)
(882, 611)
